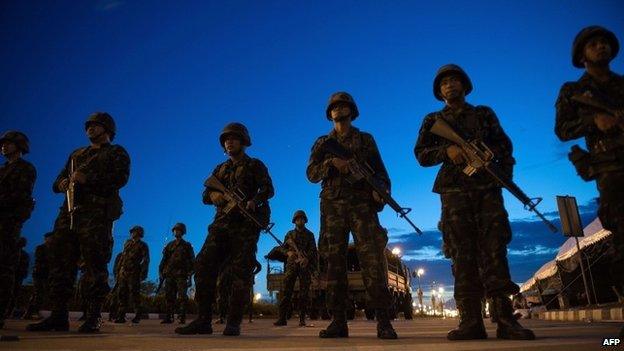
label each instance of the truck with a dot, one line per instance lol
(398, 284)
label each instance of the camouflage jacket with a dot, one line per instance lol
(107, 170)
(251, 177)
(335, 185)
(134, 259)
(178, 259)
(16, 185)
(305, 243)
(575, 120)
(473, 122)
(41, 267)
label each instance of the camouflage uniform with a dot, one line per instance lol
(21, 274)
(346, 208)
(112, 299)
(40, 280)
(475, 226)
(304, 239)
(16, 184)
(133, 266)
(98, 205)
(176, 269)
(606, 149)
(231, 242)
(224, 290)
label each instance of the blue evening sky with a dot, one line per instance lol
(174, 73)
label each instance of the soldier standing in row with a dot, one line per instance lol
(40, 278)
(232, 237)
(98, 172)
(175, 271)
(21, 273)
(303, 266)
(133, 266)
(17, 178)
(351, 207)
(474, 225)
(593, 49)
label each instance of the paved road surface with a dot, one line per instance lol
(420, 334)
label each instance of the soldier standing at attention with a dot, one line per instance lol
(133, 266)
(17, 178)
(175, 270)
(351, 207)
(474, 225)
(100, 170)
(232, 237)
(40, 278)
(593, 49)
(303, 267)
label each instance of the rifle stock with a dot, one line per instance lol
(480, 157)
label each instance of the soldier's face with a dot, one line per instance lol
(135, 235)
(8, 148)
(96, 132)
(233, 145)
(177, 233)
(340, 112)
(451, 87)
(597, 50)
(300, 222)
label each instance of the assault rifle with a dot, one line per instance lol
(363, 171)
(71, 195)
(301, 257)
(236, 200)
(480, 156)
(600, 105)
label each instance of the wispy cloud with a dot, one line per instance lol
(108, 5)
(535, 250)
(425, 253)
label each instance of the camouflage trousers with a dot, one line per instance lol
(475, 230)
(231, 245)
(128, 293)
(9, 253)
(40, 288)
(611, 214)
(89, 245)
(294, 271)
(224, 289)
(175, 292)
(338, 219)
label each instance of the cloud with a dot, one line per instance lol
(535, 250)
(108, 5)
(425, 253)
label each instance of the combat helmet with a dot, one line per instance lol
(583, 37)
(445, 71)
(338, 97)
(139, 229)
(18, 138)
(105, 120)
(237, 129)
(300, 213)
(180, 226)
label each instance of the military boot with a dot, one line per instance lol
(168, 319)
(182, 318)
(280, 322)
(92, 323)
(201, 325)
(302, 315)
(232, 324)
(137, 317)
(470, 321)
(384, 327)
(337, 328)
(508, 326)
(58, 321)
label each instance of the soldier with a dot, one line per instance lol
(133, 266)
(40, 278)
(175, 272)
(17, 178)
(232, 237)
(474, 222)
(351, 207)
(100, 170)
(593, 49)
(21, 273)
(303, 267)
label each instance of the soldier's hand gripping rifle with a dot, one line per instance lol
(363, 171)
(71, 194)
(590, 100)
(479, 156)
(301, 257)
(236, 200)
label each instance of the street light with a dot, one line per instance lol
(396, 251)
(420, 272)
